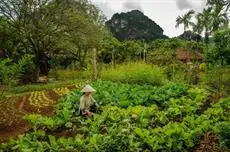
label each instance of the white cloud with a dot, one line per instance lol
(183, 4)
(132, 5)
(197, 5)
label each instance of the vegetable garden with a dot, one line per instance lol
(39, 99)
(155, 93)
(37, 102)
(172, 117)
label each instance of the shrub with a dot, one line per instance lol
(10, 72)
(217, 78)
(162, 57)
(220, 52)
(224, 134)
(140, 73)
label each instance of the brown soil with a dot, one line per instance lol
(47, 111)
(71, 87)
(52, 95)
(12, 123)
(11, 120)
(64, 133)
(16, 125)
(208, 143)
(17, 128)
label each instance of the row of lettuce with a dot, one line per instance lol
(131, 118)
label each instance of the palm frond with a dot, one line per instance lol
(178, 21)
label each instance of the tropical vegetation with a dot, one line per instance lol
(155, 93)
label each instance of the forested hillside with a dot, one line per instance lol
(134, 25)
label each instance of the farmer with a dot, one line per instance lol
(87, 102)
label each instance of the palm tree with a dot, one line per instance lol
(219, 13)
(228, 6)
(220, 18)
(204, 23)
(185, 19)
(225, 3)
(211, 19)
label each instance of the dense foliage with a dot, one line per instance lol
(220, 53)
(11, 73)
(31, 27)
(154, 93)
(125, 95)
(66, 39)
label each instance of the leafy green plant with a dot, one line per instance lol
(224, 134)
(10, 72)
(219, 54)
(125, 95)
(172, 125)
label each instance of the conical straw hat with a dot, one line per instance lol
(88, 88)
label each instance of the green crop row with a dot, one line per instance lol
(119, 129)
(125, 95)
(173, 122)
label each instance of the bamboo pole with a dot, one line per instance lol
(94, 63)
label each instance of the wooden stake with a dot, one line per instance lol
(94, 62)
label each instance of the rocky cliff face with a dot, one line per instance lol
(134, 25)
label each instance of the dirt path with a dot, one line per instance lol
(21, 103)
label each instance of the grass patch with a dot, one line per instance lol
(65, 74)
(21, 90)
(140, 73)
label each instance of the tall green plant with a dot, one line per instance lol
(140, 73)
(212, 19)
(204, 21)
(185, 19)
(220, 53)
(11, 72)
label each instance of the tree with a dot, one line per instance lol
(109, 48)
(204, 21)
(212, 19)
(220, 18)
(220, 13)
(221, 50)
(131, 50)
(42, 26)
(225, 3)
(185, 19)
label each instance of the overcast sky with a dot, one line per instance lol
(163, 12)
